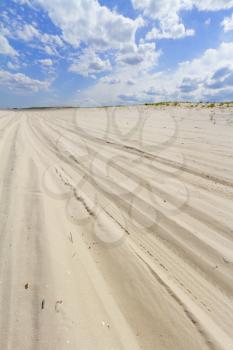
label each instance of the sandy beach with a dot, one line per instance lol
(116, 228)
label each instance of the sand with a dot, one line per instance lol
(116, 229)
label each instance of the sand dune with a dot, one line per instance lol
(116, 229)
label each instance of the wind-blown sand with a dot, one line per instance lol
(116, 229)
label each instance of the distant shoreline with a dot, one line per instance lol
(155, 104)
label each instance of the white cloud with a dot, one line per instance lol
(113, 81)
(99, 28)
(87, 21)
(159, 8)
(208, 77)
(227, 23)
(110, 46)
(209, 62)
(167, 13)
(129, 98)
(46, 62)
(200, 78)
(51, 51)
(29, 32)
(177, 31)
(109, 80)
(13, 65)
(19, 82)
(51, 39)
(22, 2)
(6, 48)
(90, 64)
(208, 22)
(212, 5)
(3, 29)
(143, 57)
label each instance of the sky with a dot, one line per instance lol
(113, 52)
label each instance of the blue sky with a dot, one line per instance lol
(106, 52)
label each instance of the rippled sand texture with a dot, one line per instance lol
(116, 229)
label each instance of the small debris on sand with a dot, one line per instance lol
(71, 238)
(58, 302)
(227, 261)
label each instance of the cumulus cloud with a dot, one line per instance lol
(87, 21)
(13, 65)
(208, 22)
(22, 2)
(151, 91)
(210, 74)
(227, 23)
(51, 51)
(160, 8)
(110, 80)
(207, 77)
(100, 40)
(211, 61)
(90, 64)
(6, 48)
(98, 28)
(143, 57)
(188, 85)
(116, 81)
(221, 73)
(222, 78)
(129, 98)
(130, 82)
(167, 14)
(28, 32)
(211, 5)
(177, 31)
(19, 82)
(46, 62)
